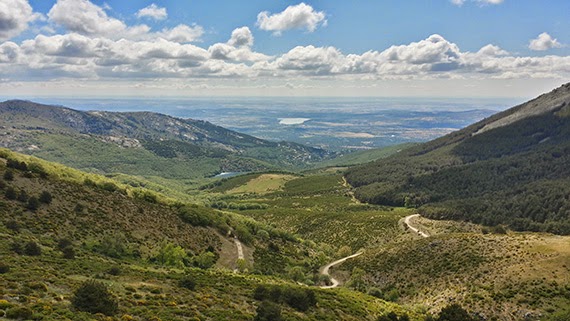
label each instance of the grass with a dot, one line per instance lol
(263, 184)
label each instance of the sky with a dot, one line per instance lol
(388, 48)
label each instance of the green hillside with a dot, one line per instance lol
(159, 259)
(511, 168)
(149, 148)
(364, 156)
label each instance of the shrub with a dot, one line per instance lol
(2, 184)
(63, 243)
(394, 317)
(115, 270)
(13, 225)
(94, 297)
(172, 255)
(268, 311)
(11, 193)
(9, 175)
(23, 196)
(454, 312)
(32, 248)
(16, 247)
(68, 253)
(33, 203)
(4, 268)
(297, 298)
(19, 313)
(45, 197)
(187, 282)
(205, 260)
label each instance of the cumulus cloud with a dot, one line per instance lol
(83, 17)
(301, 16)
(241, 37)
(238, 48)
(14, 17)
(543, 42)
(182, 33)
(153, 11)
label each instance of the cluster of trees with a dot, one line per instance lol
(300, 299)
(173, 148)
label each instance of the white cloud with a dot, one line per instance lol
(82, 16)
(238, 48)
(543, 42)
(314, 60)
(301, 16)
(153, 11)
(492, 50)
(241, 37)
(14, 17)
(182, 33)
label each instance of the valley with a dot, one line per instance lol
(412, 230)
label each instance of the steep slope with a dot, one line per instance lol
(158, 148)
(511, 168)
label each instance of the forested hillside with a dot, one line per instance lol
(512, 168)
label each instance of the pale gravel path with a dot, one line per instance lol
(415, 230)
(326, 268)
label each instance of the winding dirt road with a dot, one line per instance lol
(415, 230)
(325, 270)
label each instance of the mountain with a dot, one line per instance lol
(160, 149)
(512, 168)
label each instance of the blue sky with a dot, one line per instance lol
(284, 48)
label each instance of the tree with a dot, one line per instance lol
(454, 312)
(33, 203)
(268, 311)
(172, 255)
(94, 297)
(23, 196)
(187, 282)
(45, 197)
(32, 248)
(9, 175)
(11, 193)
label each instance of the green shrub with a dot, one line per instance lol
(32, 248)
(33, 203)
(454, 312)
(23, 196)
(115, 270)
(63, 243)
(187, 282)
(45, 197)
(204, 260)
(68, 253)
(11, 193)
(19, 313)
(171, 255)
(393, 317)
(13, 225)
(94, 297)
(268, 311)
(9, 175)
(4, 268)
